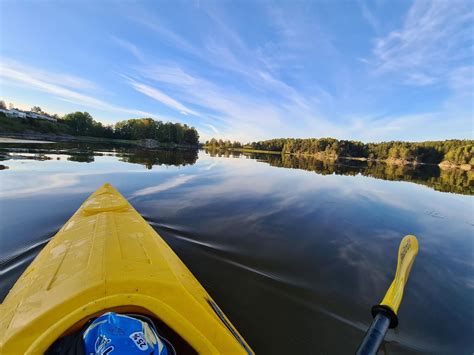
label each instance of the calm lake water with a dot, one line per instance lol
(295, 251)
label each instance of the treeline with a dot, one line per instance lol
(431, 152)
(168, 132)
(220, 144)
(83, 124)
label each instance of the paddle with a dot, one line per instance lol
(385, 313)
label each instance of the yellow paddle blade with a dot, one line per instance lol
(406, 257)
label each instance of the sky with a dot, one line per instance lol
(248, 70)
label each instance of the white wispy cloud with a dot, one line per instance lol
(168, 74)
(65, 80)
(213, 128)
(432, 39)
(432, 46)
(396, 126)
(232, 85)
(168, 36)
(49, 83)
(220, 102)
(369, 15)
(461, 80)
(225, 50)
(455, 120)
(161, 97)
(237, 114)
(129, 46)
(459, 106)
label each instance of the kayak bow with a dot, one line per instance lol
(108, 258)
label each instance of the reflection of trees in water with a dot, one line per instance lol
(77, 152)
(159, 157)
(85, 153)
(223, 153)
(452, 180)
(18, 156)
(83, 157)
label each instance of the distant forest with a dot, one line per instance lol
(457, 152)
(83, 124)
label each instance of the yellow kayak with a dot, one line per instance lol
(108, 258)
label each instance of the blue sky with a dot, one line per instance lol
(247, 70)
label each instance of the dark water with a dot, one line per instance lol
(295, 251)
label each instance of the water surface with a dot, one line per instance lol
(295, 251)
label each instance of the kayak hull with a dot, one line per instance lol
(108, 258)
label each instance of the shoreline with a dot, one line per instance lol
(49, 138)
(444, 165)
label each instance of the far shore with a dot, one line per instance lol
(50, 138)
(321, 156)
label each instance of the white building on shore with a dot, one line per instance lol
(31, 114)
(14, 113)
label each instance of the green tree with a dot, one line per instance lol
(191, 136)
(81, 123)
(430, 152)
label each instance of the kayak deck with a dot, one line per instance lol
(107, 257)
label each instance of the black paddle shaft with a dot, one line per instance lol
(374, 336)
